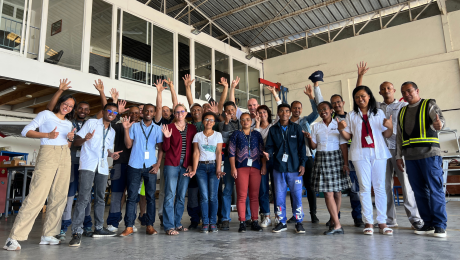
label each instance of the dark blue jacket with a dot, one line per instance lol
(293, 144)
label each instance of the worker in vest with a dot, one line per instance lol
(417, 140)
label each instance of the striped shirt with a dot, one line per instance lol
(184, 143)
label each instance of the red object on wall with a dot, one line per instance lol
(269, 83)
(3, 184)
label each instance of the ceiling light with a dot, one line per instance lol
(196, 31)
(8, 90)
(28, 96)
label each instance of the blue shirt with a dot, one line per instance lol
(238, 148)
(137, 159)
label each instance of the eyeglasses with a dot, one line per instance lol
(67, 105)
(112, 112)
(209, 120)
(246, 120)
(180, 112)
(322, 110)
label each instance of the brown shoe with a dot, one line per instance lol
(150, 231)
(127, 232)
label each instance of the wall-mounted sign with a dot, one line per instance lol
(56, 27)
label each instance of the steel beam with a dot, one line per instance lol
(426, 6)
(179, 6)
(394, 16)
(341, 30)
(442, 6)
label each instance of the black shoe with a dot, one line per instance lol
(87, 232)
(161, 220)
(219, 222)
(142, 219)
(103, 232)
(359, 222)
(242, 228)
(291, 220)
(255, 226)
(76, 240)
(334, 231)
(213, 228)
(314, 219)
(328, 223)
(299, 228)
(248, 223)
(193, 226)
(417, 225)
(225, 225)
(439, 232)
(204, 228)
(280, 227)
(425, 230)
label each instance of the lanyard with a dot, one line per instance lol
(365, 123)
(146, 136)
(284, 138)
(104, 135)
(249, 141)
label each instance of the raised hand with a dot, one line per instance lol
(116, 155)
(71, 135)
(214, 107)
(166, 132)
(188, 80)
(64, 84)
(53, 134)
(88, 136)
(308, 91)
(121, 106)
(114, 93)
(306, 134)
(169, 82)
(235, 82)
(228, 117)
(362, 68)
(159, 85)
(223, 82)
(257, 118)
(126, 123)
(437, 124)
(388, 123)
(99, 85)
(271, 89)
(341, 124)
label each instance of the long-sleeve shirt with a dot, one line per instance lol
(239, 148)
(306, 121)
(392, 110)
(291, 141)
(417, 153)
(46, 121)
(173, 146)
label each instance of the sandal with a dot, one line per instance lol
(386, 231)
(182, 229)
(172, 232)
(368, 231)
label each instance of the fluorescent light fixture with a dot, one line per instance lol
(8, 90)
(249, 56)
(196, 31)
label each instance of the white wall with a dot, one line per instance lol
(425, 51)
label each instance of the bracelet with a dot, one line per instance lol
(70, 140)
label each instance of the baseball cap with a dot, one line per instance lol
(316, 76)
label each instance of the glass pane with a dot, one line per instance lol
(203, 72)
(184, 61)
(241, 96)
(65, 33)
(34, 29)
(11, 24)
(136, 49)
(101, 36)
(254, 86)
(163, 54)
(221, 70)
(117, 57)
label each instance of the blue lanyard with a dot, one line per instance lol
(104, 135)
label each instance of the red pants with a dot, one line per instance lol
(248, 178)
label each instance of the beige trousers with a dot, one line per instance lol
(50, 180)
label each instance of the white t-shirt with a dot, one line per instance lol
(326, 137)
(46, 121)
(208, 145)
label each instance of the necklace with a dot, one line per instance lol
(180, 128)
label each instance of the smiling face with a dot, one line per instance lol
(362, 99)
(109, 113)
(82, 111)
(231, 110)
(246, 121)
(410, 94)
(252, 105)
(67, 106)
(337, 104)
(284, 113)
(387, 90)
(296, 109)
(263, 114)
(197, 113)
(180, 112)
(133, 114)
(324, 111)
(209, 122)
(148, 113)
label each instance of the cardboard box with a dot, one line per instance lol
(6, 164)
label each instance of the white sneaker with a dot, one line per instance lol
(12, 245)
(112, 228)
(266, 222)
(134, 229)
(50, 241)
(276, 221)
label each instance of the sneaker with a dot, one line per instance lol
(103, 232)
(392, 225)
(359, 222)
(276, 221)
(134, 229)
(204, 228)
(425, 230)
(280, 227)
(61, 236)
(12, 245)
(299, 228)
(87, 232)
(314, 219)
(417, 225)
(50, 241)
(242, 228)
(248, 223)
(439, 232)
(255, 226)
(266, 221)
(291, 220)
(76, 240)
(193, 226)
(213, 228)
(225, 225)
(112, 228)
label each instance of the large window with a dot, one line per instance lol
(184, 61)
(65, 33)
(101, 36)
(163, 54)
(203, 71)
(11, 24)
(254, 86)
(241, 94)
(222, 69)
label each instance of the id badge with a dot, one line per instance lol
(285, 157)
(250, 162)
(78, 153)
(102, 163)
(368, 140)
(146, 155)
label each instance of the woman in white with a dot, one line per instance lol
(330, 170)
(368, 126)
(207, 160)
(51, 176)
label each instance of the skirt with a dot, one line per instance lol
(328, 175)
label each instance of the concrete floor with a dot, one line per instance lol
(404, 244)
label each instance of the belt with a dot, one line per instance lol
(208, 162)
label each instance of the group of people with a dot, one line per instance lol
(220, 147)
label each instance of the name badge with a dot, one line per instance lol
(250, 162)
(78, 153)
(368, 140)
(146, 155)
(102, 163)
(293, 136)
(285, 157)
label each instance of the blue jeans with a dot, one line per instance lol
(176, 185)
(134, 183)
(426, 178)
(193, 201)
(208, 185)
(354, 194)
(118, 177)
(229, 183)
(264, 192)
(294, 181)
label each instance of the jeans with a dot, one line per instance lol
(229, 183)
(134, 183)
(87, 178)
(354, 194)
(118, 178)
(176, 185)
(264, 191)
(294, 181)
(193, 202)
(426, 179)
(208, 185)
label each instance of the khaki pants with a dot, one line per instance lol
(50, 180)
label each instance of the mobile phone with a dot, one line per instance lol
(209, 98)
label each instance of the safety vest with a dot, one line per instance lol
(422, 135)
